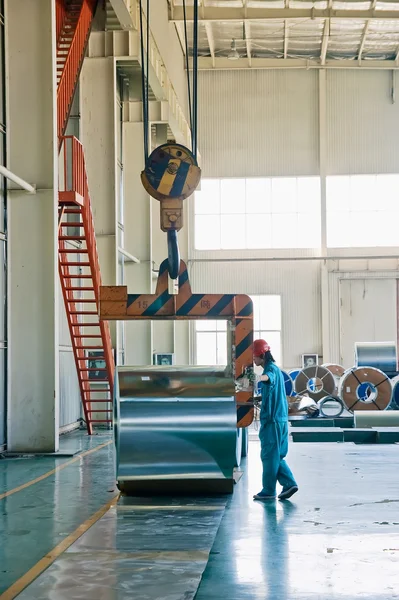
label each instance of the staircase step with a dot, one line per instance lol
(75, 264)
(71, 237)
(97, 401)
(77, 277)
(79, 289)
(90, 348)
(91, 369)
(84, 300)
(72, 211)
(100, 411)
(96, 379)
(73, 250)
(67, 224)
(88, 336)
(99, 391)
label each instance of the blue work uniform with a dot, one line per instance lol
(273, 432)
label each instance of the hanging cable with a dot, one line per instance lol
(190, 109)
(195, 79)
(144, 76)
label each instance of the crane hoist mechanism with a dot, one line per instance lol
(171, 172)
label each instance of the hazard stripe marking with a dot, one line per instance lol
(244, 344)
(157, 304)
(220, 305)
(189, 304)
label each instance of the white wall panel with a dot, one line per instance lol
(70, 402)
(297, 283)
(258, 123)
(362, 122)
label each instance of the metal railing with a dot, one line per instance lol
(73, 62)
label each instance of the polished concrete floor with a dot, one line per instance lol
(337, 539)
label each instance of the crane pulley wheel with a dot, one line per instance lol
(171, 172)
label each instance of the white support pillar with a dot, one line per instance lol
(33, 370)
(325, 304)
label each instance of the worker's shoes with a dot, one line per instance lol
(261, 496)
(285, 494)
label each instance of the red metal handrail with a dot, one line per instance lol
(73, 63)
(60, 12)
(75, 179)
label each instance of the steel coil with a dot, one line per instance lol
(376, 418)
(288, 383)
(175, 430)
(379, 355)
(316, 382)
(395, 393)
(365, 388)
(331, 406)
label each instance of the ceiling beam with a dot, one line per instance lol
(247, 27)
(363, 42)
(211, 40)
(264, 14)
(224, 64)
(324, 44)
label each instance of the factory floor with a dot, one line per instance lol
(64, 537)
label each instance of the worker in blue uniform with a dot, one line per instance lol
(273, 432)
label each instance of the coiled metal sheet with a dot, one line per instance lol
(175, 430)
(337, 371)
(379, 355)
(365, 388)
(316, 382)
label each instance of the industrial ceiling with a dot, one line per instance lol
(236, 34)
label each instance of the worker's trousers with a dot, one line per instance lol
(274, 448)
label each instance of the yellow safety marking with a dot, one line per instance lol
(168, 179)
(171, 507)
(17, 587)
(55, 470)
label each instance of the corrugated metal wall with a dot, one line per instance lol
(258, 122)
(362, 122)
(267, 123)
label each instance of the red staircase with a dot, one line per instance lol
(74, 19)
(79, 267)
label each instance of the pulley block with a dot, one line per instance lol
(171, 175)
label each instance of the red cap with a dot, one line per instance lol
(260, 347)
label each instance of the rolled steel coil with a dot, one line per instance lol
(379, 355)
(337, 371)
(316, 382)
(288, 383)
(365, 388)
(376, 418)
(175, 430)
(331, 406)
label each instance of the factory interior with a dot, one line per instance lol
(199, 273)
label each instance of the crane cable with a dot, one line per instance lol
(192, 96)
(144, 75)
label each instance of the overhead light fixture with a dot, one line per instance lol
(233, 54)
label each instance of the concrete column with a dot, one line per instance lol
(33, 370)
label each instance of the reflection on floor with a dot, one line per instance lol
(35, 519)
(337, 539)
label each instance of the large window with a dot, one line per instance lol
(362, 211)
(281, 212)
(211, 336)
